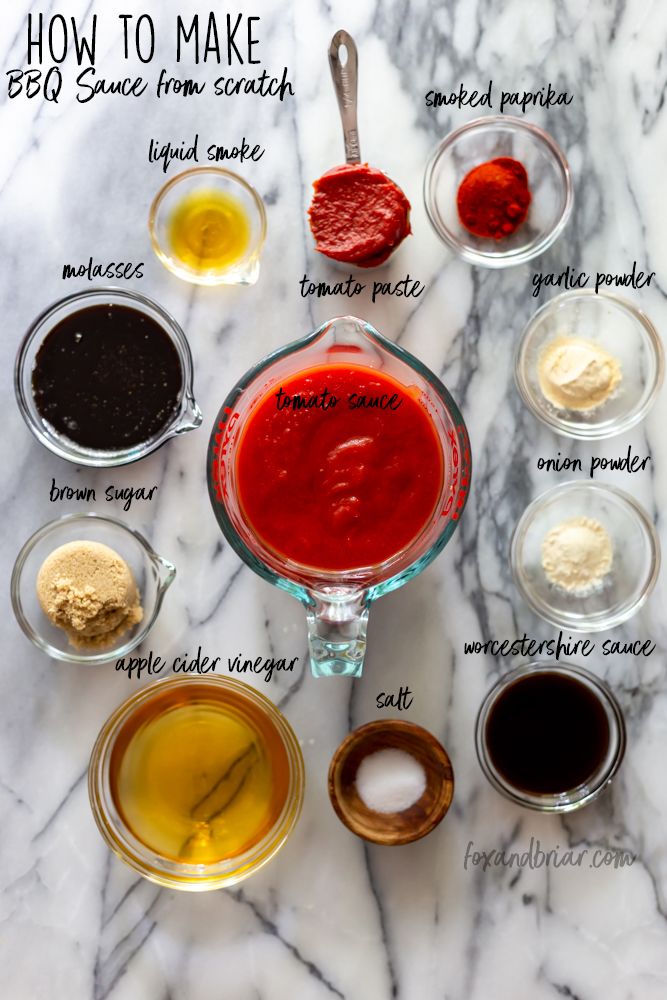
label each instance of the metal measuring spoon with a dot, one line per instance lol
(396, 207)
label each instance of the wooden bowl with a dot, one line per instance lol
(391, 828)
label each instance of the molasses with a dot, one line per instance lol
(108, 377)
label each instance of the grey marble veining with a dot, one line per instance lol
(331, 916)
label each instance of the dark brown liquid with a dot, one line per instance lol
(107, 377)
(547, 733)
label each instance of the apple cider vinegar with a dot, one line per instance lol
(199, 774)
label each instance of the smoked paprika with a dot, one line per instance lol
(493, 198)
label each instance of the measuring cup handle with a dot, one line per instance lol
(345, 84)
(337, 634)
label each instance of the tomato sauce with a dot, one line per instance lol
(346, 473)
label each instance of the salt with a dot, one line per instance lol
(390, 781)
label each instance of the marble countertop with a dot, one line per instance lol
(332, 916)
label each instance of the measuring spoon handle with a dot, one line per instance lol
(345, 84)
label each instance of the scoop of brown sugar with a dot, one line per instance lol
(87, 589)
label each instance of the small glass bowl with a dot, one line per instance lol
(244, 271)
(573, 798)
(634, 569)
(548, 178)
(186, 418)
(166, 871)
(151, 572)
(619, 328)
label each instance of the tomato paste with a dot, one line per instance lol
(339, 467)
(358, 215)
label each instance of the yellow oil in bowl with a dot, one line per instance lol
(199, 774)
(209, 230)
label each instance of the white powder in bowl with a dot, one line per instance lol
(576, 374)
(577, 555)
(390, 780)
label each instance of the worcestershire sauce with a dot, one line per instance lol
(547, 733)
(107, 377)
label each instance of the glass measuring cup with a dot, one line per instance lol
(338, 602)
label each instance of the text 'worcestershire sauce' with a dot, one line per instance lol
(547, 733)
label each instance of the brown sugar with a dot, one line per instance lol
(88, 590)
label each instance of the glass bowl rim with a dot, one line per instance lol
(510, 258)
(590, 432)
(636, 510)
(552, 802)
(138, 856)
(70, 451)
(166, 571)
